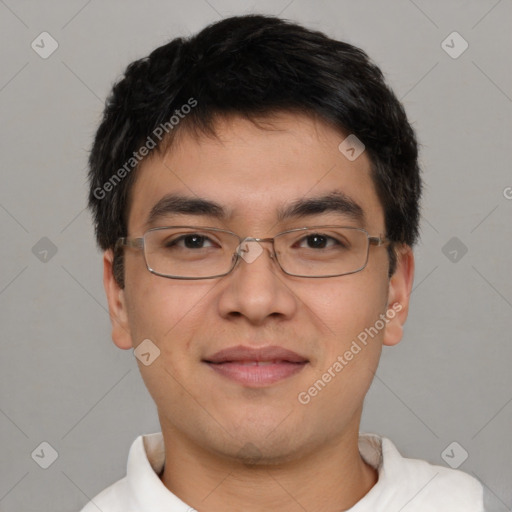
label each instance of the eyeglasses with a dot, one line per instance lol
(191, 252)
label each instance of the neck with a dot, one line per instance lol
(332, 478)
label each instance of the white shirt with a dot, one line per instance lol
(407, 485)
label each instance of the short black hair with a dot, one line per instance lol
(252, 66)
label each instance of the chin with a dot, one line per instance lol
(273, 444)
(260, 455)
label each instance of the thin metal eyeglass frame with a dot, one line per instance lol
(139, 243)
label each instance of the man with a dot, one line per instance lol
(256, 191)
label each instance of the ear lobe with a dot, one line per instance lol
(400, 287)
(116, 304)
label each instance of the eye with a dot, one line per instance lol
(190, 241)
(319, 241)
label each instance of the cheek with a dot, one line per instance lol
(167, 312)
(350, 349)
(347, 305)
(160, 308)
(351, 346)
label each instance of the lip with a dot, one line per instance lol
(256, 367)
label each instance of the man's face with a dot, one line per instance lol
(253, 173)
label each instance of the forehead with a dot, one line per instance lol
(255, 172)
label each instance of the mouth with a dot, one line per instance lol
(256, 367)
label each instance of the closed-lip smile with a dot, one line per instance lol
(256, 367)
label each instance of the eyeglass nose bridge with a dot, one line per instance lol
(250, 252)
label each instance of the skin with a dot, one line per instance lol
(230, 447)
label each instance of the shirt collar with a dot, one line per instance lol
(145, 463)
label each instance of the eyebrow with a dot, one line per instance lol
(172, 204)
(336, 202)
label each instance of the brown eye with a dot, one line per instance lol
(190, 241)
(319, 241)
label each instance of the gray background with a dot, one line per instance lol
(62, 379)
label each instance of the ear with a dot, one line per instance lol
(116, 304)
(400, 287)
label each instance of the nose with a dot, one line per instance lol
(251, 248)
(256, 289)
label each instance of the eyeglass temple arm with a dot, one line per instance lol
(378, 240)
(129, 242)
